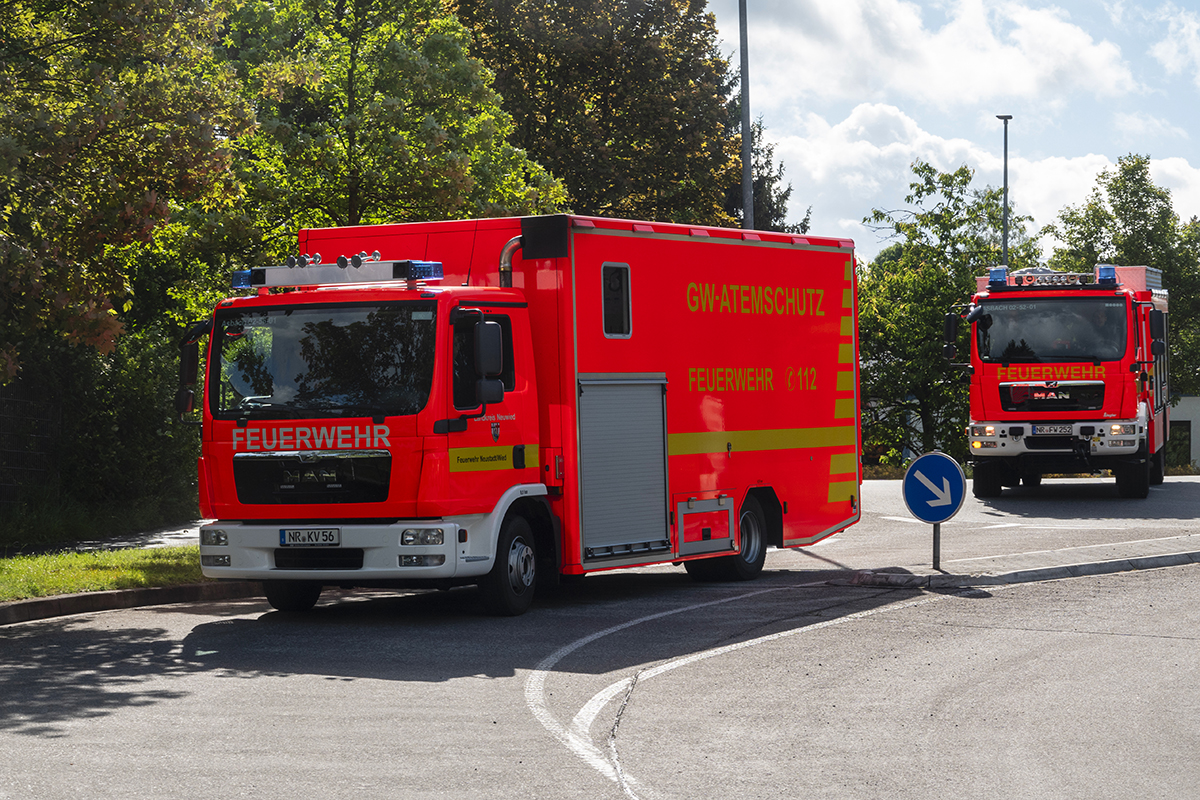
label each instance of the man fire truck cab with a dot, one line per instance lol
(1068, 374)
(504, 402)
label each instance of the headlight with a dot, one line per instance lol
(982, 430)
(212, 536)
(422, 536)
(1124, 430)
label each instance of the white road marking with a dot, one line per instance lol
(577, 737)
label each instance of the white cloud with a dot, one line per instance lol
(1180, 50)
(846, 169)
(1139, 126)
(877, 49)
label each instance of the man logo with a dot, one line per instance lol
(495, 431)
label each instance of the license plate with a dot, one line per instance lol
(1053, 430)
(310, 537)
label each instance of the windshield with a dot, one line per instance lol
(345, 360)
(1052, 329)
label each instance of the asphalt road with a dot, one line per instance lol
(645, 684)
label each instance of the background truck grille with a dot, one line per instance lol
(1052, 397)
(346, 476)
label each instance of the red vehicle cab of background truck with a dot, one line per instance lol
(507, 401)
(1068, 374)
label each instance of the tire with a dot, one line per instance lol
(1158, 466)
(1133, 480)
(292, 595)
(508, 588)
(1032, 481)
(747, 563)
(988, 480)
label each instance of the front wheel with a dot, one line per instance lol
(292, 595)
(508, 588)
(1133, 480)
(988, 480)
(1158, 467)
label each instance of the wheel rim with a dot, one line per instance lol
(521, 566)
(751, 537)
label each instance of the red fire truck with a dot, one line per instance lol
(1068, 374)
(504, 402)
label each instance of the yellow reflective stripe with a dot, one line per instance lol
(849, 270)
(477, 459)
(847, 298)
(845, 381)
(686, 444)
(846, 353)
(847, 325)
(842, 491)
(843, 408)
(843, 463)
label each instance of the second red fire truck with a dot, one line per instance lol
(1069, 374)
(504, 402)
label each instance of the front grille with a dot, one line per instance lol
(319, 558)
(333, 476)
(1052, 396)
(1050, 442)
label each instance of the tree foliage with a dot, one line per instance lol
(373, 111)
(914, 400)
(624, 100)
(110, 112)
(770, 194)
(1129, 220)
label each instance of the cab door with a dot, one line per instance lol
(492, 446)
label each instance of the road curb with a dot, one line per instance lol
(903, 580)
(65, 604)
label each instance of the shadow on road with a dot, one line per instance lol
(1097, 499)
(68, 669)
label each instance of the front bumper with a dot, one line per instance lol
(365, 552)
(1057, 445)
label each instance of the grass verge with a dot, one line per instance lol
(24, 577)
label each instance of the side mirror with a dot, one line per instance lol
(1158, 347)
(489, 349)
(1158, 325)
(950, 351)
(185, 401)
(951, 332)
(488, 391)
(975, 313)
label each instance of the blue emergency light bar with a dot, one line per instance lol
(336, 274)
(998, 275)
(1106, 273)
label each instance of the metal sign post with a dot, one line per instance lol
(934, 490)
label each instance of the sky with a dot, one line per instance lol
(853, 91)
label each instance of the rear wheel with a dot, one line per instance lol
(1158, 466)
(988, 480)
(508, 589)
(748, 562)
(292, 595)
(1032, 480)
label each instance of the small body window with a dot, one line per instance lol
(465, 374)
(618, 318)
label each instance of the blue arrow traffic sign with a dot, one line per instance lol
(934, 488)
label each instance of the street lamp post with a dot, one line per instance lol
(1004, 240)
(747, 144)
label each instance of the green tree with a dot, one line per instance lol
(624, 100)
(770, 195)
(372, 111)
(111, 111)
(914, 400)
(1129, 220)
